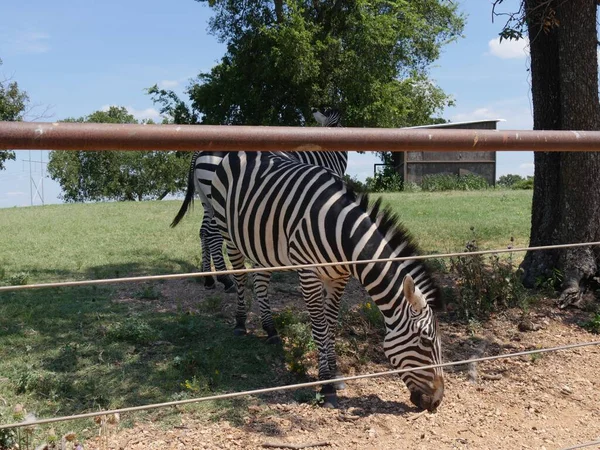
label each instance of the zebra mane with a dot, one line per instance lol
(389, 224)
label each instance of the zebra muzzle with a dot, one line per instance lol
(431, 400)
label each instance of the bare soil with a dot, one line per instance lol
(545, 401)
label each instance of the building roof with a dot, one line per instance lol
(449, 124)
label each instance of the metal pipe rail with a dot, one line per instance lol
(119, 137)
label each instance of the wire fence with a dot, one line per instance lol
(292, 386)
(587, 444)
(291, 267)
(193, 138)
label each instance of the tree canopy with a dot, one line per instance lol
(13, 104)
(369, 59)
(96, 176)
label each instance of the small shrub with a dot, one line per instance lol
(133, 330)
(371, 312)
(486, 283)
(8, 438)
(593, 325)
(509, 180)
(450, 182)
(354, 183)
(551, 282)
(41, 382)
(387, 180)
(197, 385)
(524, 184)
(296, 334)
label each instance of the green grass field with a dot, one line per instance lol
(67, 242)
(71, 350)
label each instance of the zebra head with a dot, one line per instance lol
(412, 340)
(328, 118)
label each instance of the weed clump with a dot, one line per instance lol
(486, 284)
(133, 330)
(296, 334)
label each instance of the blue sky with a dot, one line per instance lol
(78, 57)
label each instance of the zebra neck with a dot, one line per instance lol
(384, 280)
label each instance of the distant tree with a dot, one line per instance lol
(13, 104)
(369, 59)
(509, 180)
(96, 176)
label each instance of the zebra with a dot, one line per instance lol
(200, 176)
(277, 211)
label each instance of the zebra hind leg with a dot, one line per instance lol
(209, 281)
(216, 252)
(237, 261)
(312, 291)
(332, 292)
(261, 287)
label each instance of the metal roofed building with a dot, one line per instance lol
(413, 166)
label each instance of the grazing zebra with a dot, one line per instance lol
(276, 211)
(200, 179)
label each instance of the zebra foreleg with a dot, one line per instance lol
(209, 281)
(312, 291)
(237, 261)
(215, 246)
(332, 291)
(261, 288)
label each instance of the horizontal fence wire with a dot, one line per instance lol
(292, 267)
(292, 386)
(584, 445)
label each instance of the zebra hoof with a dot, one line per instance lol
(209, 283)
(331, 401)
(231, 289)
(274, 340)
(227, 283)
(239, 331)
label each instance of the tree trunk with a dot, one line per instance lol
(279, 11)
(566, 197)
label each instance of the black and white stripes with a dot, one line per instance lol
(200, 179)
(278, 211)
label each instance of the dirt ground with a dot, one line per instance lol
(546, 401)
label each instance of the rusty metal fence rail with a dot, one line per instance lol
(107, 137)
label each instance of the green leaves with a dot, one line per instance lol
(97, 176)
(369, 59)
(13, 103)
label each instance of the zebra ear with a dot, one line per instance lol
(413, 295)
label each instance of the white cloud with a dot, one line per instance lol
(168, 84)
(143, 114)
(15, 194)
(31, 42)
(516, 112)
(477, 114)
(508, 49)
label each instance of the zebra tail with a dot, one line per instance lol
(189, 197)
